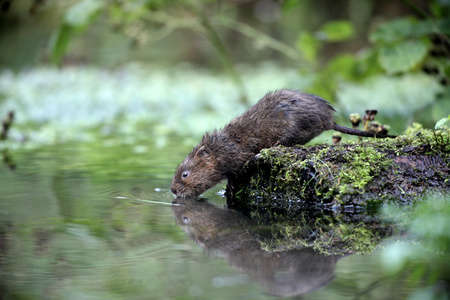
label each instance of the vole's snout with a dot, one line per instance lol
(173, 190)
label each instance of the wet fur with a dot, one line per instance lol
(285, 117)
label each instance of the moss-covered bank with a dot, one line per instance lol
(281, 182)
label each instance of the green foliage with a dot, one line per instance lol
(133, 16)
(412, 49)
(390, 95)
(310, 43)
(425, 262)
(309, 46)
(409, 27)
(407, 64)
(76, 19)
(81, 14)
(402, 57)
(404, 43)
(336, 31)
(441, 122)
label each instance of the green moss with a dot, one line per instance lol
(361, 164)
(326, 234)
(289, 174)
(328, 196)
(282, 181)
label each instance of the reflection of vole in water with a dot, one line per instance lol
(236, 238)
(285, 117)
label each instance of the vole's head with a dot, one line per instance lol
(197, 173)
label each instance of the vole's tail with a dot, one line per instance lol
(357, 132)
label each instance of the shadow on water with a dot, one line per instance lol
(231, 235)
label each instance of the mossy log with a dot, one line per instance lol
(351, 177)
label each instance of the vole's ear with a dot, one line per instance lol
(203, 152)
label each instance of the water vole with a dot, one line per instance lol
(285, 117)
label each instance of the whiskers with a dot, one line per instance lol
(147, 201)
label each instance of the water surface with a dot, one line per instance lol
(73, 226)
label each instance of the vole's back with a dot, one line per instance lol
(286, 117)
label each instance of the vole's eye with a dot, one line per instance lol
(185, 174)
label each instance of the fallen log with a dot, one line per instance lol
(280, 182)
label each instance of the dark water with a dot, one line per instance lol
(72, 227)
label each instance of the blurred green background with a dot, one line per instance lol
(110, 95)
(198, 63)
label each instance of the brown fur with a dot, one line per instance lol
(285, 117)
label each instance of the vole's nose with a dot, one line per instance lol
(173, 191)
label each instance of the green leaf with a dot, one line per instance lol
(289, 5)
(308, 45)
(59, 42)
(444, 26)
(336, 31)
(393, 31)
(343, 65)
(83, 13)
(441, 122)
(446, 67)
(408, 28)
(390, 95)
(76, 19)
(368, 64)
(402, 57)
